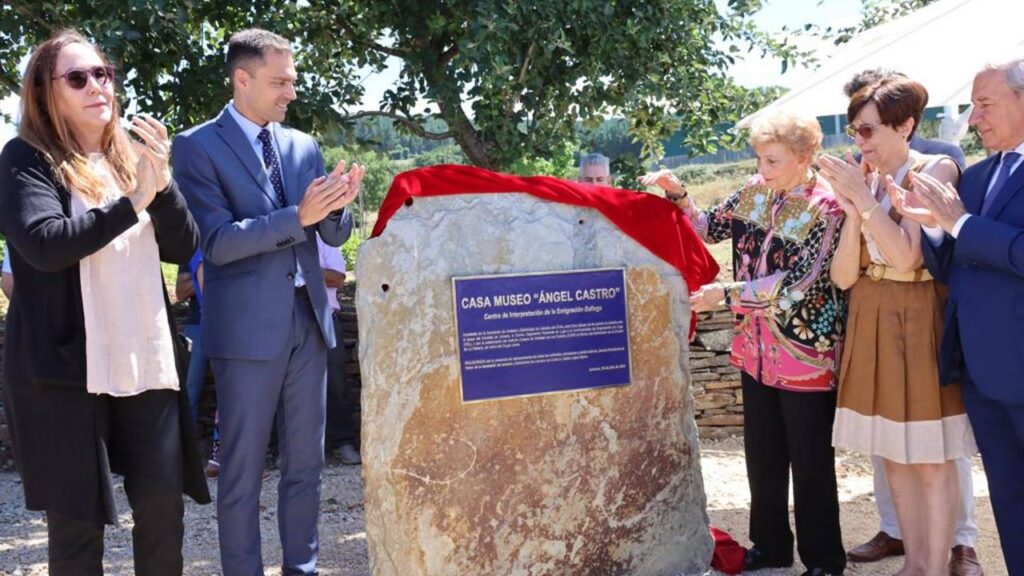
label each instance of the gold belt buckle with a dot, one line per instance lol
(876, 272)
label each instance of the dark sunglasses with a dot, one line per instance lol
(77, 78)
(866, 131)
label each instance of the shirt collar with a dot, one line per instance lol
(1019, 150)
(250, 128)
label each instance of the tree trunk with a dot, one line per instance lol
(473, 144)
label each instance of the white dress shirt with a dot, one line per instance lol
(331, 259)
(936, 235)
(252, 134)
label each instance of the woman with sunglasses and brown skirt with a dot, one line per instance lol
(890, 403)
(90, 371)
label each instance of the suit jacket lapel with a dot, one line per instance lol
(232, 134)
(289, 164)
(1014, 184)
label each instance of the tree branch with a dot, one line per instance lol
(447, 55)
(396, 52)
(409, 123)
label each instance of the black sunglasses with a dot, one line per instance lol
(77, 78)
(866, 131)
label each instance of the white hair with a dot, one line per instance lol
(594, 159)
(1014, 70)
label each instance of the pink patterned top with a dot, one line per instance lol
(790, 316)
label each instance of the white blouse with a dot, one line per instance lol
(128, 347)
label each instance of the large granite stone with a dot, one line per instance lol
(595, 482)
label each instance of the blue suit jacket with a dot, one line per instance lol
(250, 243)
(984, 268)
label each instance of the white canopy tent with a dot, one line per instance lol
(941, 45)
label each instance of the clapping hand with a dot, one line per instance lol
(329, 193)
(849, 182)
(929, 202)
(152, 170)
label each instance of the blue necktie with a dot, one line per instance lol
(1009, 160)
(273, 166)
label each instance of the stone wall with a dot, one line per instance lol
(718, 399)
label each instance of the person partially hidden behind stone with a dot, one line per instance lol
(889, 540)
(595, 169)
(341, 423)
(784, 225)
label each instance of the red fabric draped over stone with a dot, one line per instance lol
(654, 223)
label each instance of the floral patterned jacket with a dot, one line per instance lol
(790, 316)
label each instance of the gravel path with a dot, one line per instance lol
(343, 538)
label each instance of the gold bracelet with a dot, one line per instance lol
(866, 214)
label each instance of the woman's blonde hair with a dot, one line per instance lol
(43, 127)
(801, 134)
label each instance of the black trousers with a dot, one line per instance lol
(341, 421)
(784, 430)
(144, 445)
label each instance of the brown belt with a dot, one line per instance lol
(882, 272)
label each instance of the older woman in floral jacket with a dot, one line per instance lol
(784, 224)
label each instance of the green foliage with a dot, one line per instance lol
(350, 248)
(170, 53)
(450, 154)
(561, 163)
(387, 136)
(380, 171)
(529, 71)
(872, 13)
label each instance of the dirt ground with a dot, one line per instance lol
(343, 537)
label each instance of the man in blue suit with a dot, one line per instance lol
(975, 244)
(259, 193)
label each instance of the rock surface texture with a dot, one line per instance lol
(593, 482)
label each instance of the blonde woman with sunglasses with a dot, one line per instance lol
(90, 371)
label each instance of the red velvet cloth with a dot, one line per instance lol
(729, 555)
(654, 223)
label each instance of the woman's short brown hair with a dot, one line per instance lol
(801, 134)
(897, 98)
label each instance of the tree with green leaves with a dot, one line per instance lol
(509, 80)
(872, 13)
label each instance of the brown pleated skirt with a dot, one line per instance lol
(890, 401)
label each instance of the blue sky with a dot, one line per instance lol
(750, 72)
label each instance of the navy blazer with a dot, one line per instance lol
(983, 338)
(251, 244)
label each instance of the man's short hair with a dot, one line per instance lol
(249, 46)
(595, 159)
(870, 76)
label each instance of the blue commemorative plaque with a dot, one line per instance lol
(538, 333)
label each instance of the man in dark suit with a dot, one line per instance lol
(975, 244)
(259, 193)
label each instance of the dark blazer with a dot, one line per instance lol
(984, 268)
(53, 419)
